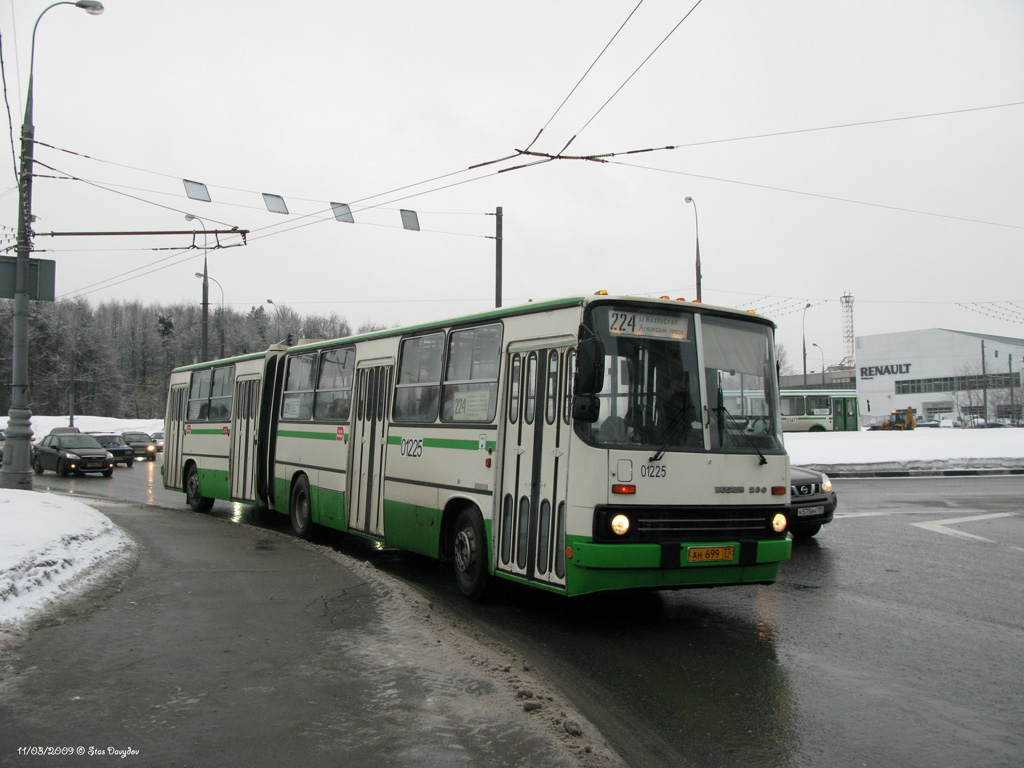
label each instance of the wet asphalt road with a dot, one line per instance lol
(893, 639)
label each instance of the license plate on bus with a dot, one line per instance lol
(709, 554)
(810, 511)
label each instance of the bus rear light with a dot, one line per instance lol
(568, 553)
(626, 488)
(778, 490)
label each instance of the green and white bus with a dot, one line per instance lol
(819, 410)
(577, 445)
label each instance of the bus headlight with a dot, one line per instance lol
(779, 523)
(620, 525)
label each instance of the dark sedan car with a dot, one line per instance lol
(812, 502)
(121, 451)
(142, 444)
(72, 454)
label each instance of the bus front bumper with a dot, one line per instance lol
(597, 567)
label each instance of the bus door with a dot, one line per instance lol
(531, 514)
(242, 457)
(174, 436)
(365, 499)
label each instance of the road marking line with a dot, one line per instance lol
(939, 526)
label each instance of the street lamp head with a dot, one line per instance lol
(689, 199)
(92, 7)
(271, 301)
(199, 274)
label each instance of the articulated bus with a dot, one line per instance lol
(577, 446)
(819, 410)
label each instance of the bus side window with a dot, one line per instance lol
(297, 402)
(221, 393)
(471, 377)
(199, 395)
(418, 389)
(792, 405)
(334, 385)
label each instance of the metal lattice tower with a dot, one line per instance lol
(847, 303)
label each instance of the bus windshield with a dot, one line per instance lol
(676, 383)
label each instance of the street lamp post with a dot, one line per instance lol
(805, 341)
(206, 277)
(696, 232)
(16, 472)
(277, 314)
(822, 363)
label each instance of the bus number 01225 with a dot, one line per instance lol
(412, 447)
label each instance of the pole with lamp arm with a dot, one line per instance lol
(696, 232)
(822, 363)
(206, 292)
(805, 341)
(16, 472)
(206, 277)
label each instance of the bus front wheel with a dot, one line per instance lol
(469, 555)
(299, 509)
(196, 500)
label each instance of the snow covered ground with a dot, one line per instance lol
(52, 546)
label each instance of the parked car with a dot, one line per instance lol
(119, 449)
(3, 442)
(65, 431)
(158, 441)
(68, 454)
(141, 443)
(812, 501)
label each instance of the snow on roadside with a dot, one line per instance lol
(939, 447)
(50, 546)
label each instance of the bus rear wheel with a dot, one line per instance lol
(196, 500)
(469, 555)
(300, 510)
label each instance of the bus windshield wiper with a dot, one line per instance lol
(750, 441)
(680, 415)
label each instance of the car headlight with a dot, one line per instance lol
(110, 456)
(72, 456)
(826, 484)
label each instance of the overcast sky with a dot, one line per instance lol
(910, 198)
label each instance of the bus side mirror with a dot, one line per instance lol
(586, 408)
(589, 368)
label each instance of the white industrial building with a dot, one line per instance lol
(940, 374)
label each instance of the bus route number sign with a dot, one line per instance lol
(648, 324)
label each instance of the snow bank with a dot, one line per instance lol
(995, 447)
(41, 425)
(50, 546)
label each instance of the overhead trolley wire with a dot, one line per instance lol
(580, 81)
(633, 74)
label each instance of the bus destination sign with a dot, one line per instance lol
(650, 325)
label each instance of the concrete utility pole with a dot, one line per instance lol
(497, 257)
(17, 473)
